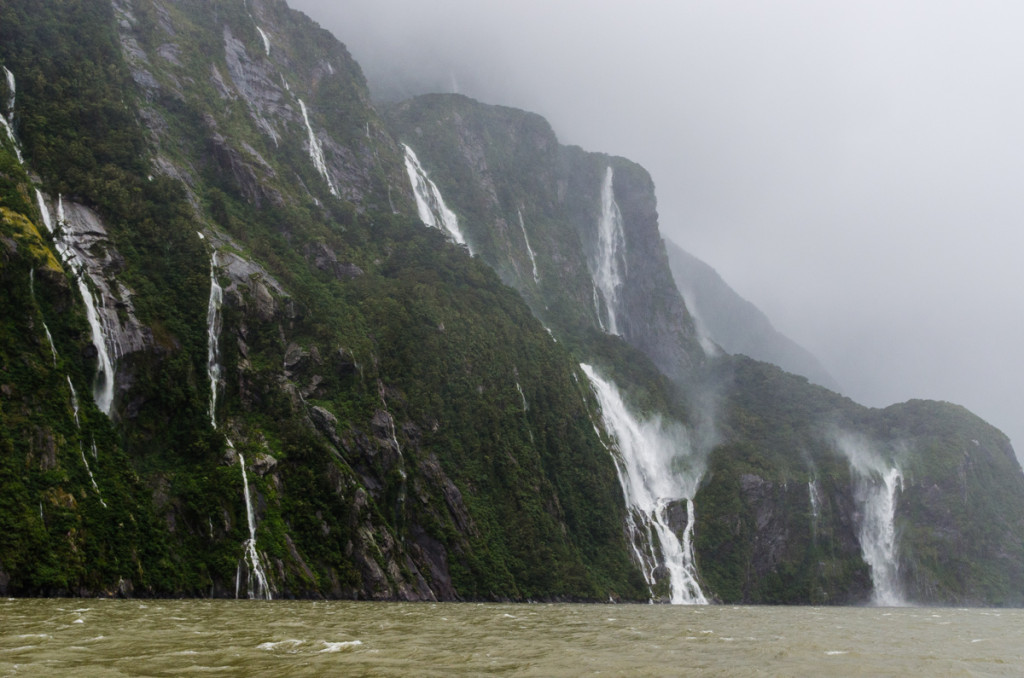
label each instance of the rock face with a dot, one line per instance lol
(395, 418)
(530, 203)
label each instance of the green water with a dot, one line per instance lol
(77, 637)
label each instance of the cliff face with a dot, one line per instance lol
(575, 233)
(233, 361)
(805, 496)
(264, 376)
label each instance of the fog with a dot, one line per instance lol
(854, 169)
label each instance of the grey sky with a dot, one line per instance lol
(856, 169)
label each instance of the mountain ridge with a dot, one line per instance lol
(364, 409)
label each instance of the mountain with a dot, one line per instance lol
(262, 338)
(735, 324)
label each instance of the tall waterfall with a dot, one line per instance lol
(103, 383)
(429, 203)
(7, 121)
(657, 468)
(213, 326)
(316, 151)
(609, 269)
(529, 250)
(49, 337)
(877, 495)
(10, 91)
(257, 578)
(877, 484)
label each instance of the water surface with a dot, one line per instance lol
(302, 638)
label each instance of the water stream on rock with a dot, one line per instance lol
(430, 205)
(610, 267)
(316, 151)
(656, 469)
(529, 250)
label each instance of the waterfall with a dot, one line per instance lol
(74, 402)
(88, 470)
(7, 122)
(44, 211)
(812, 493)
(316, 151)
(81, 450)
(251, 557)
(878, 497)
(103, 382)
(529, 250)
(49, 337)
(522, 395)
(10, 91)
(656, 468)
(429, 203)
(610, 267)
(402, 489)
(213, 326)
(877, 484)
(266, 40)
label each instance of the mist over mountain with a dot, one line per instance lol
(734, 323)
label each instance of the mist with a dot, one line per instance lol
(853, 169)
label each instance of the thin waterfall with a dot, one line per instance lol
(213, 327)
(81, 450)
(32, 291)
(7, 121)
(316, 151)
(812, 493)
(430, 205)
(657, 469)
(266, 40)
(529, 250)
(257, 578)
(11, 89)
(609, 269)
(402, 489)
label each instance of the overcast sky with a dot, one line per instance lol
(856, 169)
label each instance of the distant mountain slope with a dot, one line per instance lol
(734, 323)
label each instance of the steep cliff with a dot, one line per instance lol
(259, 339)
(265, 377)
(800, 495)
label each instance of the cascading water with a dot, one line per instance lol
(812, 493)
(213, 326)
(429, 203)
(81, 450)
(316, 151)
(266, 40)
(257, 579)
(103, 384)
(49, 337)
(7, 121)
(529, 250)
(609, 269)
(877, 484)
(656, 468)
(10, 90)
(878, 497)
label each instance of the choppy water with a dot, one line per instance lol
(259, 638)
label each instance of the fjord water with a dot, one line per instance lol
(44, 637)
